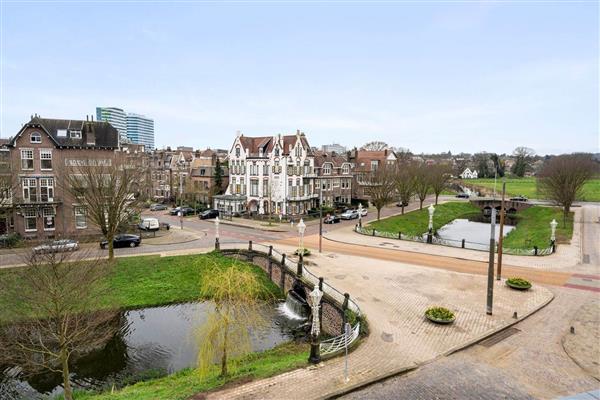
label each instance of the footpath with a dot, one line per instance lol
(394, 297)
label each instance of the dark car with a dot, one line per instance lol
(122, 240)
(402, 204)
(462, 196)
(518, 198)
(208, 214)
(174, 211)
(331, 219)
(184, 211)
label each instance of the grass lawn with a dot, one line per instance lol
(533, 228)
(527, 187)
(185, 383)
(415, 223)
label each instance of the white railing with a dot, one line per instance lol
(339, 343)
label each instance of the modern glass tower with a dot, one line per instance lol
(140, 130)
(116, 117)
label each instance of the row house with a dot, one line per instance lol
(269, 174)
(170, 170)
(202, 179)
(334, 178)
(41, 154)
(365, 162)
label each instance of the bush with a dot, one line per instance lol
(519, 282)
(352, 318)
(10, 240)
(440, 313)
(305, 253)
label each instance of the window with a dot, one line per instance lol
(326, 169)
(49, 217)
(254, 187)
(61, 132)
(265, 187)
(35, 137)
(26, 159)
(346, 169)
(80, 218)
(374, 165)
(74, 134)
(29, 190)
(276, 151)
(237, 151)
(202, 172)
(47, 189)
(46, 159)
(30, 217)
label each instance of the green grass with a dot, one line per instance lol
(185, 383)
(527, 187)
(533, 228)
(416, 222)
(153, 280)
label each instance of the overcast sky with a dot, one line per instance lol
(431, 77)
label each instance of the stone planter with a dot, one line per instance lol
(440, 315)
(518, 287)
(440, 321)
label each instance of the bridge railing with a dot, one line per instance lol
(464, 244)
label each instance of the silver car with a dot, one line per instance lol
(349, 214)
(57, 246)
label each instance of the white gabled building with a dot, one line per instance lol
(468, 174)
(269, 174)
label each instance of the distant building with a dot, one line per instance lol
(468, 174)
(116, 117)
(334, 175)
(366, 162)
(334, 147)
(140, 130)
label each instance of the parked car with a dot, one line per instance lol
(350, 214)
(402, 204)
(331, 219)
(57, 246)
(364, 212)
(149, 224)
(174, 211)
(184, 211)
(519, 198)
(123, 240)
(209, 214)
(158, 207)
(462, 196)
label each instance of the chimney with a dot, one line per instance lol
(90, 135)
(92, 118)
(297, 131)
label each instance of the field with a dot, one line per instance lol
(527, 187)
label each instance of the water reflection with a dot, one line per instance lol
(148, 342)
(474, 230)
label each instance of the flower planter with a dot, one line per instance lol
(440, 315)
(518, 287)
(440, 321)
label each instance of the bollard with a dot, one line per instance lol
(515, 315)
(270, 251)
(299, 266)
(399, 235)
(346, 299)
(283, 260)
(463, 244)
(554, 246)
(573, 330)
(249, 245)
(535, 250)
(373, 232)
(321, 284)
(217, 245)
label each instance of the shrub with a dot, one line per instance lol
(440, 313)
(520, 282)
(10, 240)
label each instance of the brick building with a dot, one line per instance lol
(334, 174)
(365, 162)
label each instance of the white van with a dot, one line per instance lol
(149, 224)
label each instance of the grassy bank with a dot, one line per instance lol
(416, 222)
(533, 228)
(153, 280)
(527, 187)
(185, 383)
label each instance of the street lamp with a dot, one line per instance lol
(217, 246)
(553, 226)
(360, 208)
(314, 301)
(431, 210)
(301, 229)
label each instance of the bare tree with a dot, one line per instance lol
(50, 312)
(422, 176)
(375, 146)
(522, 163)
(111, 193)
(439, 176)
(562, 178)
(238, 296)
(404, 182)
(380, 187)
(8, 184)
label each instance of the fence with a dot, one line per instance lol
(298, 270)
(464, 244)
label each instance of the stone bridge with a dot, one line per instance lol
(511, 206)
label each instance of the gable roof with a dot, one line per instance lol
(337, 160)
(104, 134)
(266, 143)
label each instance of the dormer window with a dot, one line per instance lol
(35, 137)
(327, 169)
(61, 132)
(73, 134)
(346, 169)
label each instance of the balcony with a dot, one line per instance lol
(37, 200)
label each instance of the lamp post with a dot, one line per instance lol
(314, 300)
(360, 208)
(553, 225)
(301, 229)
(217, 245)
(431, 210)
(490, 283)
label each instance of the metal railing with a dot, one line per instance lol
(339, 343)
(464, 244)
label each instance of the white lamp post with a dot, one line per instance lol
(431, 210)
(553, 226)
(360, 208)
(314, 301)
(217, 246)
(301, 229)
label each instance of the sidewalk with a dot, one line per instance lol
(394, 297)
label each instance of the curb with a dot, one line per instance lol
(251, 227)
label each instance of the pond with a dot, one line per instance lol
(475, 230)
(148, 342)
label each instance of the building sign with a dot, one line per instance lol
(72, 162)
